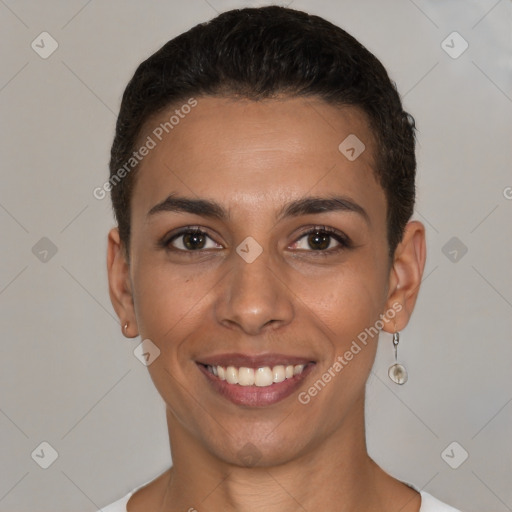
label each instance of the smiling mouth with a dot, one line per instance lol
(256, 385)
(261, 377)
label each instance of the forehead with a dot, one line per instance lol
(254, 151)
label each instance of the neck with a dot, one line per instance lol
(334, 474)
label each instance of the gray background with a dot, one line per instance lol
(68, 376)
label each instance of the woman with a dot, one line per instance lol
(262, 178)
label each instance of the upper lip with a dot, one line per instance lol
(253, 361)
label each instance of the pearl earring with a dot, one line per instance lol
(397, 372)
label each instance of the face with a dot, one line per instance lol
(257, 245)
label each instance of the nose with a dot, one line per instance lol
(254, 296)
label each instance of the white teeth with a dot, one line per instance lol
(232, 375)
(298, 369)
(245, 376)
(261, 377)
(278, 373)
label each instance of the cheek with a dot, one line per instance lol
(346, 308)
(347, 314)
(346, 300)
(171, 303)
(168, 300)
(170, 307)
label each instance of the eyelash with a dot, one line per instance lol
(341, 238)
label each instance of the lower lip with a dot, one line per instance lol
(256, 396)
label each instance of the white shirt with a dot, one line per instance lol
(428, 503)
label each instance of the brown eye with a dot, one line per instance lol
(194, 240)
(322, 240)
(319, 241)
(191, 240)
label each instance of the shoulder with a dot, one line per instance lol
(431, 504)
(141, 494)
(428, 504)
(121, 505)
(117, 506)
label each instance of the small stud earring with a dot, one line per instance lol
(125, 328)
(397, 372)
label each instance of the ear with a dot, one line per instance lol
(405, 275)
(119, 284)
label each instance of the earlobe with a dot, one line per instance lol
(119, 284)
(406, 274)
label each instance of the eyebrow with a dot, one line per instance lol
(309, 205)
(203, 207)
(304, 206)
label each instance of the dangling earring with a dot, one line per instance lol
(397, 372)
